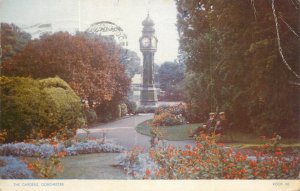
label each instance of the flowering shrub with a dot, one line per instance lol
(169, 115)
(12, 168)
(166, 119)
(46, 168)
(210, 160)
(175, 110)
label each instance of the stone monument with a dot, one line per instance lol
(148, 46)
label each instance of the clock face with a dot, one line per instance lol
(145, 42)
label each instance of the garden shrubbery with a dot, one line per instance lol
(131, 106)
(12, 168)
(110, 110)
(211, 160)
(169, 115)
(33, 109)
(91, 115)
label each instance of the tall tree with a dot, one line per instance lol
(231, 53)
(13, 40)
(91, 71)
(170, 75)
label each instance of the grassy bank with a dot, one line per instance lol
(232, 137)
(171, 133)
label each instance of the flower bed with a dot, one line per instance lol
(46, 150)
(210, 160)
(169, 115)
(12, 168)
(136, 163)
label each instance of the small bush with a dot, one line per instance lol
(91, 116)
(32, 109)
(169, 115)
(131, 107)
(108, 111)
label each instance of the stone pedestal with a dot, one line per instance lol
(148, 96)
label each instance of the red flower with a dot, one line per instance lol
(252, 163)
(278, 153)
(147, 172)
(187, 146)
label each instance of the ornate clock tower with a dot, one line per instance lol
(148, 46)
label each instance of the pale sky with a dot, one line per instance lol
(80, 14)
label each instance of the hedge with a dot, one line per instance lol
(32, 109)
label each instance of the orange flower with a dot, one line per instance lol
(30, 166)
(61, 154)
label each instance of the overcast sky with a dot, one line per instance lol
(80, 14)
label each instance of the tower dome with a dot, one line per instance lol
(148, 21)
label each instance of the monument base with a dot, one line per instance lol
(148, 101)
(148, 96)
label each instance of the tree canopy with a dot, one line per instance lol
(170, 75)
(90, 68)
(13, 40)
(233, 62)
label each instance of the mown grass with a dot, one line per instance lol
(232, 137)
(171, 133)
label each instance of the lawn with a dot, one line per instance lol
(171, 133)
(232, 137)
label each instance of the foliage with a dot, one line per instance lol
(46, 168)
(135, 163)
(13, 40)
(211, 160)
(33, 109)
(233, 65)
(131, 106)
(47, 148)
(167, 119)
(170, 75)
(169, 115)
(91, 115)
(108, 110)
(12, 168)
(131, 62)
(128, 58)
(179, 109)
(91, 69)
(3, 135)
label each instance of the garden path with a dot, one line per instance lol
(123, 132)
